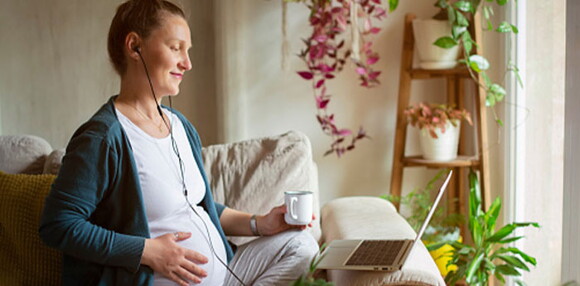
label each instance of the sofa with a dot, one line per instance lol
(250, 175)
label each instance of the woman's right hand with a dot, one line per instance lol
(177, 263)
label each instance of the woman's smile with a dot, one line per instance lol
(177, 75)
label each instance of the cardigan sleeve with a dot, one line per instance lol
(88, 168)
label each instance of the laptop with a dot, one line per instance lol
(378, 255)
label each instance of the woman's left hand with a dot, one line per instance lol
(273, 222)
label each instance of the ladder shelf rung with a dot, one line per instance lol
(460, 161)
(426, 74)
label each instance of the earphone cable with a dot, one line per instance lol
(181, 167)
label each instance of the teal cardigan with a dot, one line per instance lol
(95, 213)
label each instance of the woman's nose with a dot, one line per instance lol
(185, 64)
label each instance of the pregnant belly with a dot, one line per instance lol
(202, 240)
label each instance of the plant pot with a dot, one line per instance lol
(427, 31)
(443, 254)
(443, 148)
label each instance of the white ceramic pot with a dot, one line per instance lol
(444, 148)
(427, 31)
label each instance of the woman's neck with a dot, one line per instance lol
(138, 96)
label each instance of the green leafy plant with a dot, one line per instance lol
(433, 116)
(459, 13)
(488, 255)
(309, 278)
(443, 226)
(419, 201)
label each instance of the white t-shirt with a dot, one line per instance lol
(166, 208)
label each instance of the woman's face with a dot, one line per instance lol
(165, 53)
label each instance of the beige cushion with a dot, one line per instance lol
(253, 175)
(376, 218)
(23, 154)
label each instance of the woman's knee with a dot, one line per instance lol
(304, 244)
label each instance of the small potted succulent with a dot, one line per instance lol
(439, 126)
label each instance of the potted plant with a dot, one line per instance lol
(439, 126)
(443, 227)
(488, 256)
(426, 33)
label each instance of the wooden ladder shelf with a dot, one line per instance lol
(455, 79)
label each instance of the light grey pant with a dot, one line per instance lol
(273, 260)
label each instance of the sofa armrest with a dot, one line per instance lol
(376, 218)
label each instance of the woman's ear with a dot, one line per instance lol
(133, 45)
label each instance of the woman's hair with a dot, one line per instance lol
(139, 16)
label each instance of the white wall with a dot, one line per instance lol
(55, 72)
(261, 99)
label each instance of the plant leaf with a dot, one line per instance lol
(489, 100)
(507, 269)
(393, 4)
(461, 20)
(450, 14)
(501, 2)
(435, 246)
(474, 195)
(520, 282)
(504, 27)
(305, 75)
(486, 12)
(478, 63)
(492, 213)
(503, 232)
(464, 6)
(514, 261)
(511, 239)
(524, 224)
(473, 266)
(526, 257)
(445, 42)
(457, 32)
(489, 25)
(467, 42)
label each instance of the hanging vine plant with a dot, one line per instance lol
(458, 13)
(325, 55)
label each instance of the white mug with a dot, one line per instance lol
(299, 207)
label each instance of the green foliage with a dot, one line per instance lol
(458, 13)
(309, 279)
(443, 227)
(393, 5)
(488, 255)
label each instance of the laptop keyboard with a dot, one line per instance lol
(376, 252)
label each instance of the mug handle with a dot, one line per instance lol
(292, 210)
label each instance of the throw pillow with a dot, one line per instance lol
(24, 259)
(253, 175)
